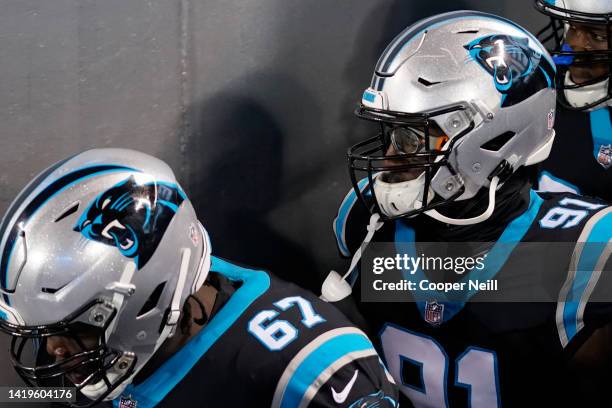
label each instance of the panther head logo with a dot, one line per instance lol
(518, 70)
(376, 400)
(132, 217)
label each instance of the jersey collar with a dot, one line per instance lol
(155, 388)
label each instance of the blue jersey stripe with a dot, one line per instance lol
(340, 221)
(498, 255)
(319, 360)
(593, 248)
(155, 388)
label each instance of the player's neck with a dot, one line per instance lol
(207, 295)
(512, 199)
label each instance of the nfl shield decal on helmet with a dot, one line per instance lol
(433, 312)
(551, 119)
(127, 402)
(193, 235)
(605, 156)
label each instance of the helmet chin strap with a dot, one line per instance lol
(474, 220)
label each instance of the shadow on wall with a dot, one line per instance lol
(244, 191)
(237, 187)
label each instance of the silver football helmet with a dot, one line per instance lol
(592, 21)
(104, 243)
(463, 100)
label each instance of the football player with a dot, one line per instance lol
(580, 34)
(108, 285)
(465, 105)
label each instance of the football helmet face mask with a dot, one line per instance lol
(98, 255)
(402, 158)
(89, 365)
(462, 99)
(580, 38)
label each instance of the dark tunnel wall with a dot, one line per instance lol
(249, 101)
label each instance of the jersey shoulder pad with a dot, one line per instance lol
(324, 361)
(351, 215)
(313, 343)
(568, 214)
(588, 281)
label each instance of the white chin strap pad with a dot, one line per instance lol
(399, 198)
(584, 95)
(335, 288)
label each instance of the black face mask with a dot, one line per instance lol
(86, 362)
(415, 149)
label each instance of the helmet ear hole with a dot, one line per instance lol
(495, 144)
(152, 301)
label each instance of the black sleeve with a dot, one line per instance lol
(588, 372)
(350, 224)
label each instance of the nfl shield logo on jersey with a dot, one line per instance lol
(127, 402)
(433, 312)
(605, 156)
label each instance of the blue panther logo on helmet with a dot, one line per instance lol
(518, 70)
(131, 216)
(376, 400)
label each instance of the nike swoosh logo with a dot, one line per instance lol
(340, 397)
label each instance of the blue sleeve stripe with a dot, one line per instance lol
(318, 361)
(340, 221)
(590, 256)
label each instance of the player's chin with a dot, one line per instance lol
(582, 75)
(393, 177)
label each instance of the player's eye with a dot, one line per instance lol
(406, 140)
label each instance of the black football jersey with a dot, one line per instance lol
(271, 344)
(581, 157)
(477, 354)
